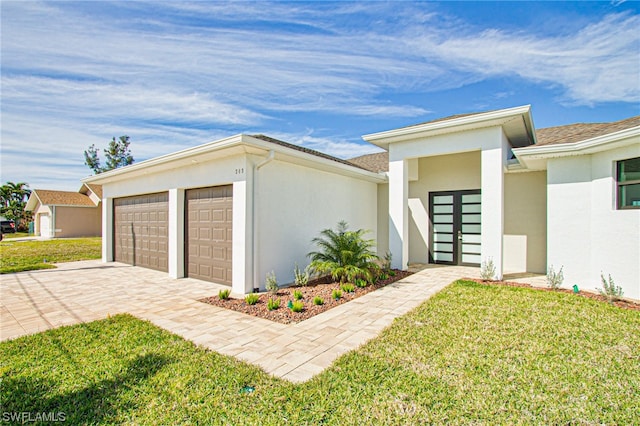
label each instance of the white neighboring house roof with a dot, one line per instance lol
(516, 122)
(580, 139)
(238, 144)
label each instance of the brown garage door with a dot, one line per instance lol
(208, 233)
(141, 230)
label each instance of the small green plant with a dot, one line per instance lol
(297, 294)
(318, 301)
(554, 279)
(347, 287)
(488, 270)
(271, 283)
(359, 282)
(224, 294)
(610, 289)
(252, 298)
(336, 294)
(301, 277)
(382, 276)
(297, 306)
(386, 261)
(273, 303)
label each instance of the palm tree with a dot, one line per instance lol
(345, 254)
(14, 197)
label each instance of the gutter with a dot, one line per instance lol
(254, 210)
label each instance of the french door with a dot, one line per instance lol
(455, 218)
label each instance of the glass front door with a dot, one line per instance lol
(455, 227)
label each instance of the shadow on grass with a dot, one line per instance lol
(102, 400)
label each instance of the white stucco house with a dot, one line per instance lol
(457, 190)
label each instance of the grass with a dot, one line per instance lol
(30, 255)
(472, 354)
(16, 235)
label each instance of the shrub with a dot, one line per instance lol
(297, 294)
(554, 279)
(297, 306)
(224, 294)
(252, 298)
(301, 277)
(345, 254)
(272, 283)
(382, 276)
(336, 294)
(318, 300)
(361, 283)
(347, 287)
(273, 303)
(488, 270)
(386, 263)
(610, 289)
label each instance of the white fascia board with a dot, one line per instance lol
(164, 162)
(232, 145)
(32, 202)
(383, 139)
(310, 160)
(536, 156)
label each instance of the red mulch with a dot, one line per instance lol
(322, 287)
(621, 303)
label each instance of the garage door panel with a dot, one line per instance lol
(208, 233)
(141, 230)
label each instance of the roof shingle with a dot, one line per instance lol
(62, 198)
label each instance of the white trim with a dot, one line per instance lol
(468, 122)
(224, 147)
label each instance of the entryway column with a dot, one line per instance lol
(492, 228)
(398, 213)
(107, 230)
(176, 233)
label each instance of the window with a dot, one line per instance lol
(628, 182)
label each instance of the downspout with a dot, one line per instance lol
(52, 230)
(256, 167)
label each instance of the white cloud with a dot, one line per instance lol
(598, 64)
(174, 74)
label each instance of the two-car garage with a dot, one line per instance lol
(141, 232)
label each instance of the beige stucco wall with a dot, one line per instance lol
(77, 222)
(439, 173)
(525, 222)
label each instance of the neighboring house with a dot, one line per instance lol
(459, 190)
(64, 214)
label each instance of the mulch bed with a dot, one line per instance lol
(622, 303)
(322, 287)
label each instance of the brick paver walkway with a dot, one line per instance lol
(90, 290)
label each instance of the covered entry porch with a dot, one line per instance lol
(454, 199)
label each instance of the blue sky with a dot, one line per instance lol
(172, 75)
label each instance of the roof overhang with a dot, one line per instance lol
(32, 202)
(516, 122)
(234, 145)
(535, 157)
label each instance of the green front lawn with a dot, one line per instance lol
(16, 256)
(472, 354)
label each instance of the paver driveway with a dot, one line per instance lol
(90, 290)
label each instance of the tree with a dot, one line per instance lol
(117, 155)
(13, 198)
(345, 254)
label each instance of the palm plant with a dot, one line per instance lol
(345, 254)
